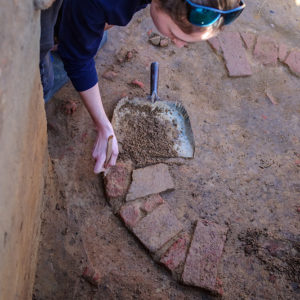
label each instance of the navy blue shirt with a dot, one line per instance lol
(81, 31)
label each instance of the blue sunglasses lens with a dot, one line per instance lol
(229, 18)
(203, 17)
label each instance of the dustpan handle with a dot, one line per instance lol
(154, 81)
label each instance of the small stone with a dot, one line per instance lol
(249, 39)
(129, 55)
(150, 180)
(266, 51)
(110, 75)
(157, 228)
(130, 214)
(175, 255)
(92, 276)
(138, 83)
(234, 54)
(293, 61)
(121, 55)
(164, 42)
(215, 45)
(282, 52)
(152, 202)
(154, 39)
(203, 257)
(118, 179)
(271, 98)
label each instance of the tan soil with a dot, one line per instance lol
(147, 137)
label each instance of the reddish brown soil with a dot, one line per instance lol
(245, 173)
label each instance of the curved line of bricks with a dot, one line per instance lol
(192, 255)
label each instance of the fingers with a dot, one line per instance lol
(101, 151)
(99, 166)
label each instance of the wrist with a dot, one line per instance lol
(103, 125)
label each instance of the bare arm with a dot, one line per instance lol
(93, 103)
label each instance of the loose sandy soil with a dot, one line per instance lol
(245, 173)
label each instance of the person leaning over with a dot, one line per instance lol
(82, 25)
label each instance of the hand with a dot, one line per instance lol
(93, 103)
(100, 148)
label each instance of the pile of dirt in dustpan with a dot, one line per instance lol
(145, 138)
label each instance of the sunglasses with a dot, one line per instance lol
(204, 16)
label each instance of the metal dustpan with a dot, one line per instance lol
(168, 112)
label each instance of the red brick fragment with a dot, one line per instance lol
(152, 202)
(234, 54)
(157, 228)
(298, 210)
(117, 180)
(175, 255)
(293, 62)
(150, 180)
(282, 52)
(266, 51)
(92, 276)
(130, 214)
(203, 257)
(249, 39)
(110, 75)
(215, 45)
(138, 83)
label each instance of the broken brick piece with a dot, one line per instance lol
(150, 180)
(157, 228)
(203, 257)
(175, 255)
(234, 54)
(249, 39)
(138, 83)
(282, 52)
(92, 276)
(117, 180)
(130, 214)
(266, 51)
(152, 202)
(215, 44)
(293, 61)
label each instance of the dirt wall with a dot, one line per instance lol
(22, 147)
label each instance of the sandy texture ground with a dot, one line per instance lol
(245, 173)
